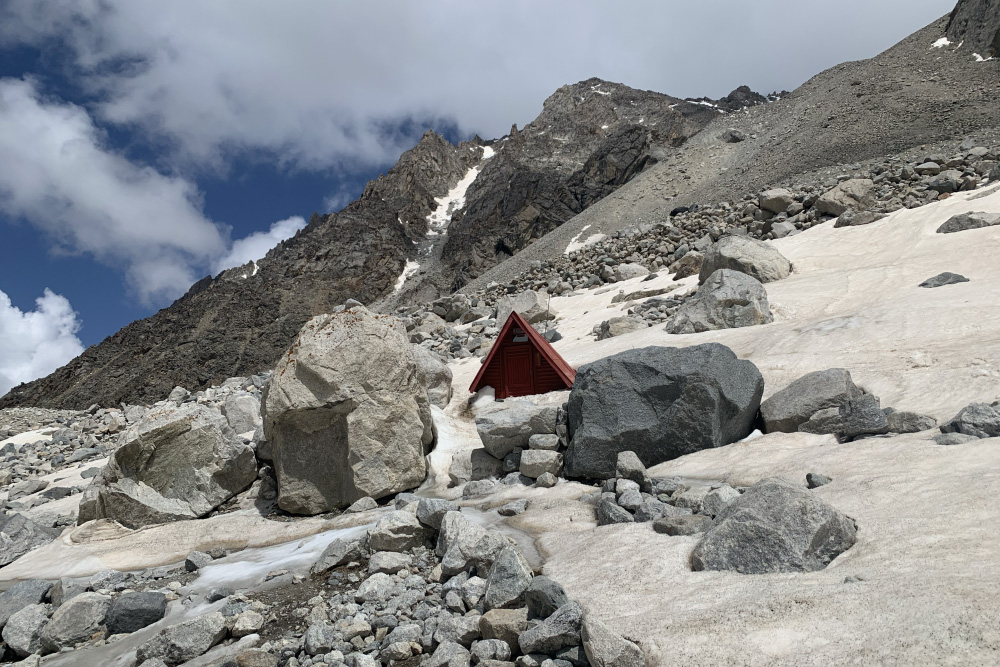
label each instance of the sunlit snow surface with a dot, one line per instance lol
(408, 270)
(944, 41)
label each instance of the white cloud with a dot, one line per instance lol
(56, 174)
(35, 343)
(319, 83)
(256, 245)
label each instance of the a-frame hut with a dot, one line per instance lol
(522, 363)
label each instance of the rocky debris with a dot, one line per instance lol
(609, 512)
(774, 526)
(461, 544)
(174, 463)
(660, 403)
(733, 136)
(619, 326)
(544, 597)
(953, 439)
(242, 411)
(776, 200)
(537, 462)
(604, 648)
(559, 630)
(338, 553)
(688, 265)
(727, 300)
(22, 594)
(978, 420)
(629, 466)
(346, 414)
(787, 409)
(740, 253)
(966, 221)
(531, 305)
(508, 579)
(855, 193)
(503, 427)
(942, 279)
(182, 642)
(76, 621)
(513, 508)
(435, 376)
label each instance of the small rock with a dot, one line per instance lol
(815, 480)
(682, 525)
(942, 279)
(362, 505)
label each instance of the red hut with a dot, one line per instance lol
(521, 363)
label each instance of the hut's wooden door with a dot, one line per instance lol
(518, 380)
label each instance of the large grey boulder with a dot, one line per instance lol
(20, 595)
(544, 596)
(661, 403)
(184, 641)
(508, 579)
(434, 374)
(966, 221)
(792, 406)
(532, 306)
(978, 420)
(727, 300)
(19, 535)
(856, 193)
(559, 630)
(131, 612)
(23, 631)
(537, 462)
(346, 413)
(242, 411)
(776, 200)
(605, 648)
(775, 526)
(76, 621)
(746, 255)
(505, 426)
(175, 463)
(463, 544)
(862, 416)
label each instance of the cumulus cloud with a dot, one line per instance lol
(255, 246)
(35, 343)
(57, 174)
(320, 84)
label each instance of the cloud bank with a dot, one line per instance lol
(35, 343)
(255, 246)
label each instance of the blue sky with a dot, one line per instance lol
(144, 144)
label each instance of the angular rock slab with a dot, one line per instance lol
(661, 403)
(175, 463)
(747, 255)
(856, 193)
(727, 300)
(346, 413)
(789, 408)
(775, 526)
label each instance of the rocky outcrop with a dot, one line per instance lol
(727, 300)
(976, 25)
(661, 403)
(774, 527)
(346, 413)
(175, 463)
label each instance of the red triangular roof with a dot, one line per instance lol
(563, 369)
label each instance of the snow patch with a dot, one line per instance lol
(944, 41)
(408, 270)
(980, 59)
(597, 89)
(575, 244)
(454, 201)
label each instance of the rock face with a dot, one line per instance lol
(856, 193)
(175, 463)
(792, 406)
(346, 413)
(661, 403)
(727, 300)
(435, 376)
(774, 526)
(746, 255)
(532, 306)
(976, 24)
